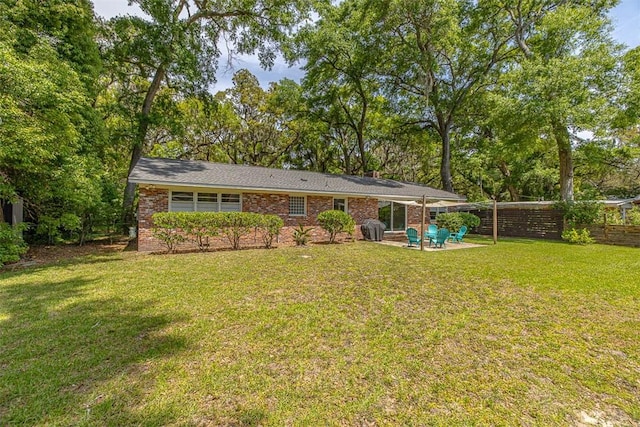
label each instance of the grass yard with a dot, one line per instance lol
(522, 333)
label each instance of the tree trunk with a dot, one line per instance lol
(444, 129)
(136, 151)
(513, 191)
(565, 156)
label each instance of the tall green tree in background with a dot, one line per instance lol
(566, 73)
(440, 53)
(341, 81)
(178, 44)
(51, 138)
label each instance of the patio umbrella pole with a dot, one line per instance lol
(424, 202)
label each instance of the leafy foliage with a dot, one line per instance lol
(469, 219)
(450, 220)
(582, 212)
(580, 237)
(335, 222)
(173, 228)
(167, 227)
(11, 244)
(633, 216)
(301, 235)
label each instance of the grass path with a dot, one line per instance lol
(522, 333)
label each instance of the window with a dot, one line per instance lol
(340, 205)
(207, 202)
(230, 203)
(182, 201)
(297, 206)
(433, 212)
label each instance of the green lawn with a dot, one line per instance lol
(522, 333)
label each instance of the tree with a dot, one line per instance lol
(566, 72)
(177, 45)
(341, 81)
(50, 138)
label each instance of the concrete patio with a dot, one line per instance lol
(448, 245)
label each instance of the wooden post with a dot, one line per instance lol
(424, 202)
(495, 221)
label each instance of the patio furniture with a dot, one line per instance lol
(412, 235)
(440, 238)
(431, 232)
(457, 237)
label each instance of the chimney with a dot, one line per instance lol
(372, 174)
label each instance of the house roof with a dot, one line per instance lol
(191, 173)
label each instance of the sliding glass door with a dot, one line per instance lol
(393, 215)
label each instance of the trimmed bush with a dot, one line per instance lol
(451, 221)
(335, 222)
(469, 219)
(271, 226)
(11, 244)
(166, 227)
(174, 228)
(234, 225)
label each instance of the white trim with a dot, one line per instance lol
(304, 198)
(346, 203)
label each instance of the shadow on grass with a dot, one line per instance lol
(62, 343)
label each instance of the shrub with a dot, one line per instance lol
(271, 226)
(469, 219)
(301, 235)
(580, 237)
(234, 225)
(174, 228)
(166, 227)
(11, 244)
(613, 216)
(335, 222)
(48, 227)
(451, 221)
(199, 226)
(633, 216)
(581, 212)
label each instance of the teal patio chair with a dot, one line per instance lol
(457, 237)
(432, 231)
(412, 235)
(441, 238)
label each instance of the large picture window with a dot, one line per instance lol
(297, 206)
(182, 201)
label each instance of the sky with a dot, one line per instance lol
(625, 18)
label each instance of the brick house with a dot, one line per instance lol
(296, 196)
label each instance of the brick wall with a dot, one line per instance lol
(153, 200)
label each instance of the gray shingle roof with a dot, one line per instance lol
(190, 173)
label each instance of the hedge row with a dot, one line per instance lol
(174, 228)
